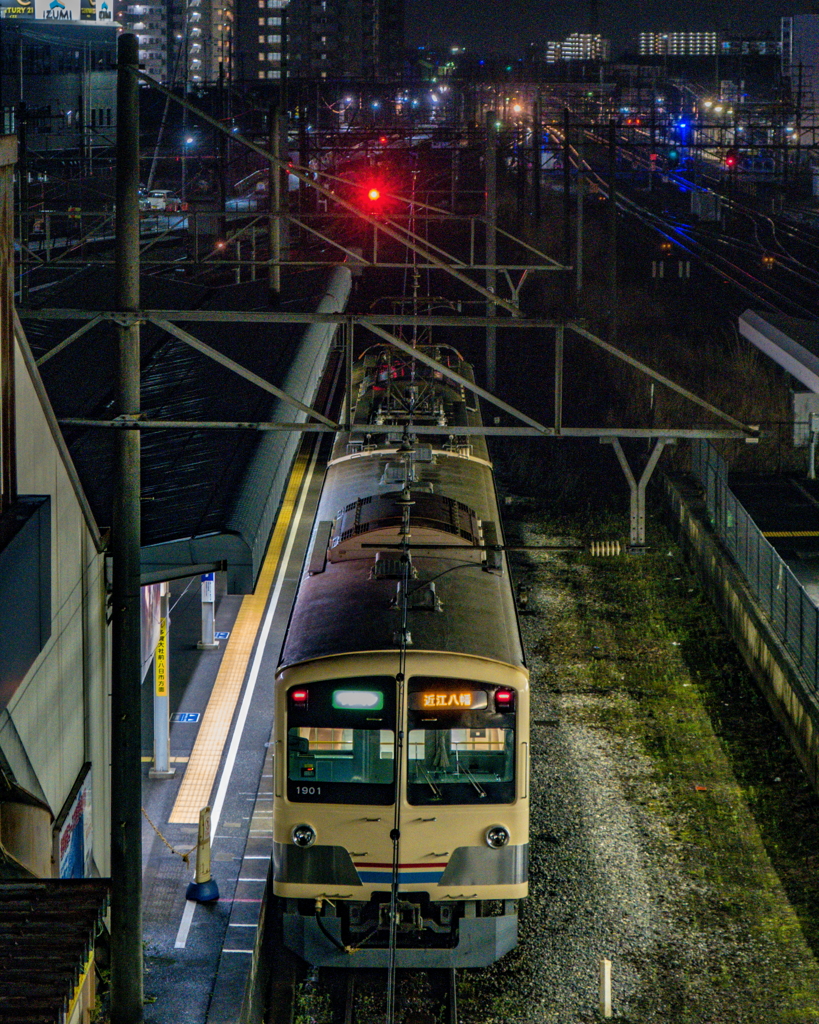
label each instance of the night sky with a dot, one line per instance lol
(509, 25)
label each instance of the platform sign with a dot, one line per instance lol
(221, 636)
(185, 717)
(208, 587)
(161, 660)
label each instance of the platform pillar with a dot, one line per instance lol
(208, 641)
(162, 695)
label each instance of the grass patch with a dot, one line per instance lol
(637, 638)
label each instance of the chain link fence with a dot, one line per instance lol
(793, 615)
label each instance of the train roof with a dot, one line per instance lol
(442, 489)
(343, 610)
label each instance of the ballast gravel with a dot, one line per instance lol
(609, 878)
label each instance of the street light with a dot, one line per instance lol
(187, 141)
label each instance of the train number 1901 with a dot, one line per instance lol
(308, 790)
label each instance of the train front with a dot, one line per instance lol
(401, 768)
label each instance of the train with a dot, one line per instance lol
(401, 759)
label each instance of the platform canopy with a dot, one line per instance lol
(792, 343)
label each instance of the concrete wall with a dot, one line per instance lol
(781, 681)
(58, 717)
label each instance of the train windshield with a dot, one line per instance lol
(461, 743)
(341, 742)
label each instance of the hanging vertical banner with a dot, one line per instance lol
(73, 833)
(161, 662)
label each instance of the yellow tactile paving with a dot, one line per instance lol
(791, 533)
(194, 793)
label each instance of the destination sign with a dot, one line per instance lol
(448, 700)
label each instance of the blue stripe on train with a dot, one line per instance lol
(404, 877)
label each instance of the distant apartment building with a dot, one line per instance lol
(261, 38)
(210, 40)
(579, 46)
(800, 51)
(150, 23)
(743, 46)
(183, 40)
(678, 44)
(362, 39)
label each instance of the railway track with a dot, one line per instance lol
(359, 997)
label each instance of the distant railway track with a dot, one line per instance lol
(770, 261)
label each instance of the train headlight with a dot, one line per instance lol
(303, 835)
(497, 836)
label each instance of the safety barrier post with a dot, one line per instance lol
(203, 888)
(605, 987)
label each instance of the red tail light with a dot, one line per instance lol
(504, 700)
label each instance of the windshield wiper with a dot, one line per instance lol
(431, 784)
(473, 780)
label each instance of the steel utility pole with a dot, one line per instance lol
(274, 202)
(126, 743)
(612, 240)
(491, 171)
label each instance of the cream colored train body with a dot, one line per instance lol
(402, 708)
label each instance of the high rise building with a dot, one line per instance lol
(751, 46)
(579, 46)
(209, 31)
(182, 40)
(261, 34)
(150, 23)
(800, 50)
(678, 44)
(362, 39)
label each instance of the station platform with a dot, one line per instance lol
(786, 510)
(198, 957)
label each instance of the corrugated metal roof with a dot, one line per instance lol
(190, 479)
(47, 931)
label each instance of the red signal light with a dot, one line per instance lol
(374, 194)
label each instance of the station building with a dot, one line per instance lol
(60, 78)
(54, 640)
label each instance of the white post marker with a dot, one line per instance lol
(208, 641)
(605, 987)
(162, 696)
(203, 889)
